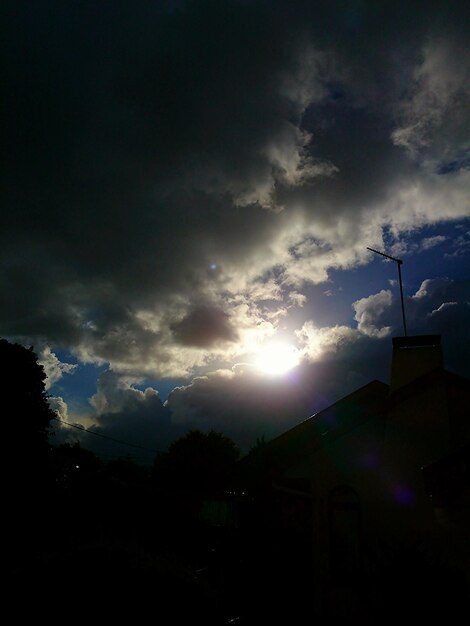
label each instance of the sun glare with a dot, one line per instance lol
(277, 358)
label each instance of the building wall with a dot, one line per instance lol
(458, 398)
(381, 462)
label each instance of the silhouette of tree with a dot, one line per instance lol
(127, 471)
(71, 464)
(198, 463)
(27, 420)
(30, 413)
(259, 467)
(259, 445)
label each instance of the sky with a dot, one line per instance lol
(188, 193)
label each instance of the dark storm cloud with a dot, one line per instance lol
(204, 326)
(241, 403)
(130, 137)
(124, 413)
(169, 158)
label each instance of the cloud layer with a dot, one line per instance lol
(246, 405)
(180, 175)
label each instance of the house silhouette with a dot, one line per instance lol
(369, 499)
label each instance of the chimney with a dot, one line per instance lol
(413, 357)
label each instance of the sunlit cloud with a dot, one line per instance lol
(368, 311)
(319, 342)
(53, 367)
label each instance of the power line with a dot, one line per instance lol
(92, 432)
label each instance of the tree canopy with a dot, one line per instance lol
(198, 462)
(30, 413)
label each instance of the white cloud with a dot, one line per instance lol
(369, 310)
(417, 201)
(298, 299)
(59, 405)
(430, 242)
(117, 393)
(403, 247)
(443, 307)
(461, 245)
(318, 342)
(53, 367)
(430, 288)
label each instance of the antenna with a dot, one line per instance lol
(399, 263)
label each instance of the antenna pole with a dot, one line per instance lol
(399, 263)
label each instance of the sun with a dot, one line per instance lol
(277, 358)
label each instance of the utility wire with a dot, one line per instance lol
(92, 432)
